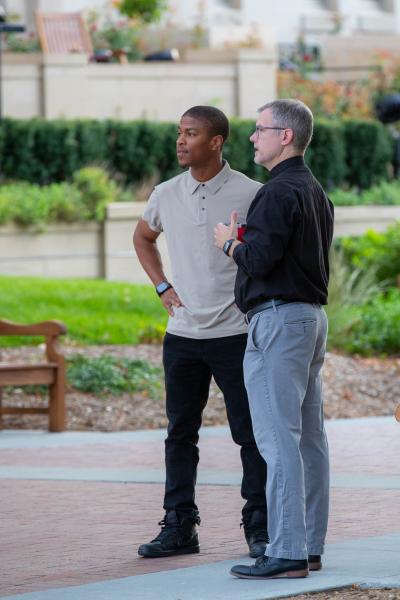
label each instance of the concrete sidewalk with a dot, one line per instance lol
(75, 506)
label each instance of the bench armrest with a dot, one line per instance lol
(50, 330)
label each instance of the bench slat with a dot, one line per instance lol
(25, 366)
(40, 376)
(26, 410)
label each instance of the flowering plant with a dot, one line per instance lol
(354, 99)
(118, 38)
(386, 78)
(327, 98)
(16, 42)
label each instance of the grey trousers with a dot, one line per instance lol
(282, 369)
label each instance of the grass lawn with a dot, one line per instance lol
(94, 311)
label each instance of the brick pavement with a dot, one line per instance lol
(57, 534)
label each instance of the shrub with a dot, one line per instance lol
(383, 193)
(26, 204)
(96, 189)
(67, 203)
(109, 375)
(341, 197)
(377, 328)
(85, 199)
(151, 334)
(6, 209)
(363, 316)
(377, 251)
(349, 288)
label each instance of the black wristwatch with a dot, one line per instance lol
(163, 287)
(227, 246)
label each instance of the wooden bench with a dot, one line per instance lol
(51, 373)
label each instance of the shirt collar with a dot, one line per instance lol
(294, 161)
(213, 184)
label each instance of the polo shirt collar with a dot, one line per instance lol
(213, 184)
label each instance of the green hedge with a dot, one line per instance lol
(42, 152)
(326, 154)
(369, 149)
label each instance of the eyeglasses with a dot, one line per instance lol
(263, 128)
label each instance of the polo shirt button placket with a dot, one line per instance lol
(203, 216)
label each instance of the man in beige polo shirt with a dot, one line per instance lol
(206, 334)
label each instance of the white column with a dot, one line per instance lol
(256, 80)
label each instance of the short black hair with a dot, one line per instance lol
(216, 120)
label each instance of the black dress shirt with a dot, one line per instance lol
(287, 240)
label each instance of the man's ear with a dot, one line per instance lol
(288, 137)
(217, 141)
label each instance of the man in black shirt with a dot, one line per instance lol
(281, 284)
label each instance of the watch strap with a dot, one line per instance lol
(227, 246)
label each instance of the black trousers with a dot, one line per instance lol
(189, 365)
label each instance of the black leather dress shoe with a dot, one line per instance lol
(314, 562)
(272, 568)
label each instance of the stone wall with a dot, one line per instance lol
(92, 250)
(68, 86)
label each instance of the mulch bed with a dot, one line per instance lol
(353, 387)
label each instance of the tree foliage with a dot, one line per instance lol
(144, 10)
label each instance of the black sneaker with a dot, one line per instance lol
(255, 532)
(177, 536)
(271, 568)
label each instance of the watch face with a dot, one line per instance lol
(162, 287)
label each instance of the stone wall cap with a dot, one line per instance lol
(125, 210)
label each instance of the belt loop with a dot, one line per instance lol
(273, 305)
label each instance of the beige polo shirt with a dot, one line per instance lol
(187, 211)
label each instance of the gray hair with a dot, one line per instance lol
(294, 115)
